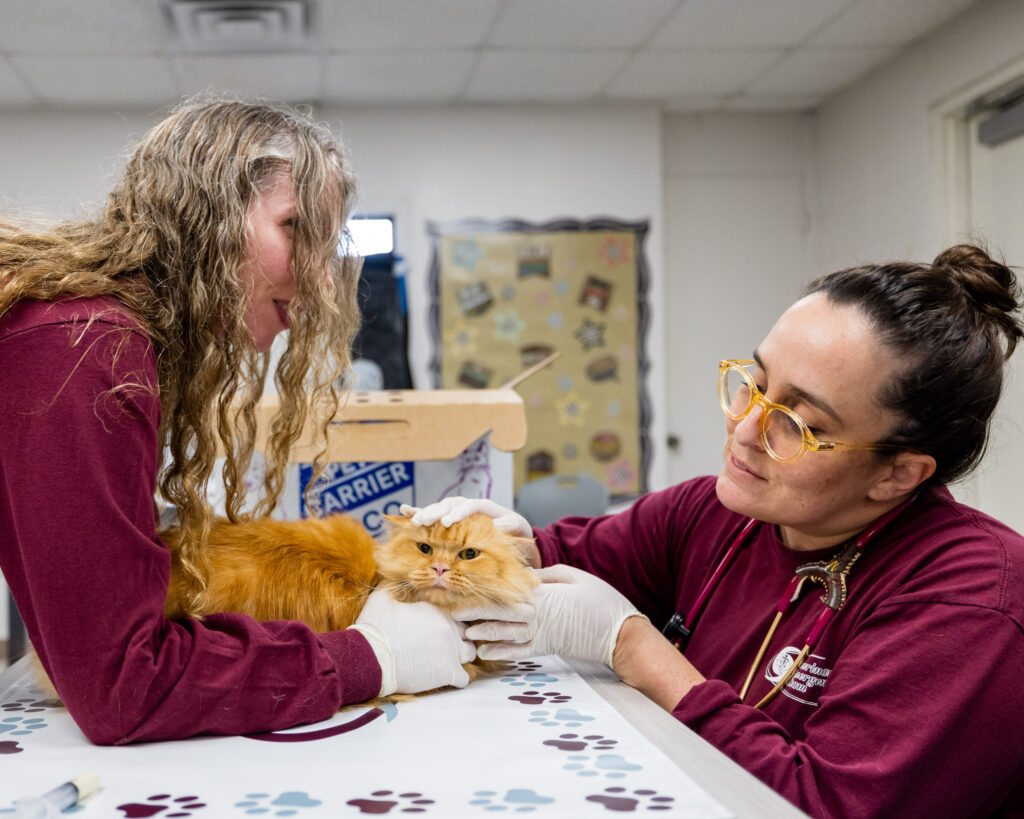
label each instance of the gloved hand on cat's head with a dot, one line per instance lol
(418, 646)
(574, 614)
(452, 510)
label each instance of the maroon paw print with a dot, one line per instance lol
(384, 801)
(181, 806)
(574, 742)
(541, 698)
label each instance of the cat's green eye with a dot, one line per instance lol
(425, 548)
(468, 554)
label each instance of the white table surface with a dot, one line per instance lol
(736, 790)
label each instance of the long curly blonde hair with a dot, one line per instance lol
(168, 245)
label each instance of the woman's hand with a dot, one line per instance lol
(451, 510)
(418, 646)
(575, 614)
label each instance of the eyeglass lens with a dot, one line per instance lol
(782, 433)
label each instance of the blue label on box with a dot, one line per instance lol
(364, 489)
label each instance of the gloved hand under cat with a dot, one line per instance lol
(418, 646)
(575, 614)
(452, 510)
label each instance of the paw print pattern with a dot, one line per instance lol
(384, 801)
(617, 799)
(569, 717)
(30, 705)
(574, 742)
(519, 800)
(21, 726)
(178, 806)
(610, 766)
(528, 679)
(285, 804)
(541, 698)
(525, 666)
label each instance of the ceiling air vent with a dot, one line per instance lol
(239, 25)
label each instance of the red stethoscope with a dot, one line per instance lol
(829, 573)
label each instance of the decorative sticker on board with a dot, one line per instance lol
(508, 294)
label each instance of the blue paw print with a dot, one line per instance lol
(569, 717)
(533, 679)
(20, 726)
(285, 804)
(520, 800)
(611, 766)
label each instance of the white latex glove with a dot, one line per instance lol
(452, 510)
(575, 614)
(418, 646)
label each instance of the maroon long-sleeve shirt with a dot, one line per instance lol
(911, 703)
(79, 550)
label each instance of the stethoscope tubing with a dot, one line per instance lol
(832, 603)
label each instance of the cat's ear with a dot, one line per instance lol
(399, 519)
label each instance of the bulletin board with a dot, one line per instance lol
(506, 295)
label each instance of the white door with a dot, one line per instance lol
(997, 216)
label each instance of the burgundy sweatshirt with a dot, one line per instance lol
(911, 703)
(79, 550)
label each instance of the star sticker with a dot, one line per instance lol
(461, 336)
(572, 409)
(508, 326)
(466, 253)
(590, 334)
(615, 250)
(621, 476)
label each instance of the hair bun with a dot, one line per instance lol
(990, 287)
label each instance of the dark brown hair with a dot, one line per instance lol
(952, 325)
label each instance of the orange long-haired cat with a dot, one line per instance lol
(320, 570)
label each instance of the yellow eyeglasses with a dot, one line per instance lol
(784, 434)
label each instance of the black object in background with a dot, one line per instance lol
(379, 352)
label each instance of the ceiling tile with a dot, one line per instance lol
(402, 77)
(13, 92)
(543, 75)
(92, 80)
(689, 73)
(285, 77)
(744, 23)
(577, 23)
(888, 22)
(62, 27)
(818, 72)
(383, 25)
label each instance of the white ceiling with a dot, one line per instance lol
(683, 55)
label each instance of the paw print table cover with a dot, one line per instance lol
(538, 740)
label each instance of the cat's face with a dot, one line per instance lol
(467, 564)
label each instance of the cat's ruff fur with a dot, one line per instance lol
(320, 570)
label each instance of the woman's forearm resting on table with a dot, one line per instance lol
(648, 662)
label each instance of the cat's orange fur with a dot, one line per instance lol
(320, 571)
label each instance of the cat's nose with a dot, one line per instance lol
(440, 569)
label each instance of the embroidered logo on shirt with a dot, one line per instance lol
(806, 683)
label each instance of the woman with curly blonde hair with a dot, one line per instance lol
(134, 349)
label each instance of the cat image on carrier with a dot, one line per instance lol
(474, 478)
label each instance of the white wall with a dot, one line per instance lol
(876, 152)
(882, 174)
(738, 218)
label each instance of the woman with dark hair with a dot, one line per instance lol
(133, 348)
(900, 691)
